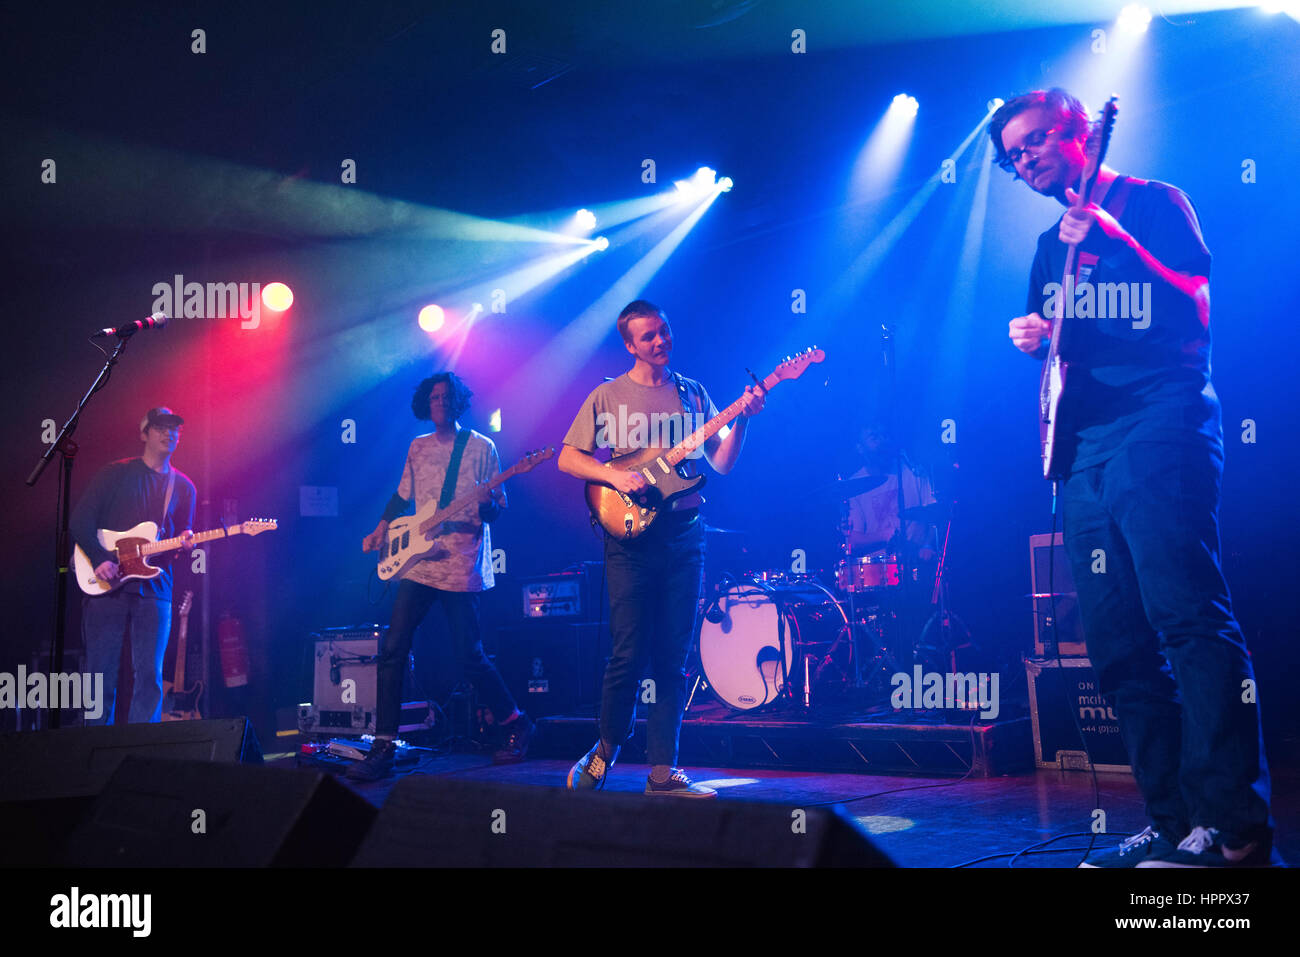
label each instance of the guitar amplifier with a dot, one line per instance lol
(570, 595)
(1066, 638)
(553, 666)
(345, 684)
(1054, 692)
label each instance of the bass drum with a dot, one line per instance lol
(770, 642)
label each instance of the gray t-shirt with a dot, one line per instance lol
(624, 416)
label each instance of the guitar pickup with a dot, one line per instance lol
(406, 539)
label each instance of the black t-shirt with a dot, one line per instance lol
(121, 496)
(1134, 377)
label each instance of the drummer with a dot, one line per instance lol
(872, 520)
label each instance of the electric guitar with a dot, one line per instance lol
(181, 703)
(413, 537)
(132, 548)
(1052, 384)
(626, 518)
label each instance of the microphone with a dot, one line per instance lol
(156, 321)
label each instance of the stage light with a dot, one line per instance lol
(906, 105)
(432, 318)
(494, 421)
(1290, 7)
(277, 296)
(725, 184)
(601, 243)
(704, 180)
(585, 219)
(996, 104)
(1135, 18)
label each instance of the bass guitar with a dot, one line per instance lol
(412, 538)
(626, 518)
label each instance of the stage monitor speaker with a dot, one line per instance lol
(553, 666)
(50, 778)
(162, 813)
(429, 821)
(1067, 636)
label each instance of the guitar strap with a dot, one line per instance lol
(167, 500)
(684, 395)
(453, 469)
(1114, 203)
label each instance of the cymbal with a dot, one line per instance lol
(847, 488)
(933, 514)
(713, 530)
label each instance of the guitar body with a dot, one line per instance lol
(130, 562)
(1052, 388)
(622, 516)
(406, 546)
(181, 705)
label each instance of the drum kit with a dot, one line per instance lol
(779, 641)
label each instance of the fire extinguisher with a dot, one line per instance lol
(234, 651)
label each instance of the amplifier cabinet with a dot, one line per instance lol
(553, 666)
(1068, 630)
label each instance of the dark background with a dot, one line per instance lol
(225, 167)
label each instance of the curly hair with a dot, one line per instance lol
(1056, 100)
(460, 395)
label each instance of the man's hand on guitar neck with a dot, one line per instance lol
(1028, 333)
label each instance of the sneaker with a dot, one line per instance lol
(679, 784)
(518, 735)
(1203, 848)
(1145, 846)
(590, 772)
(378, 763)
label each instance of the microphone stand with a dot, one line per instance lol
(900, 541)
(64, 446)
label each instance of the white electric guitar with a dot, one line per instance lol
(415, 536)
(132, 548)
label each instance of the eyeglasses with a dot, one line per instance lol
(1033, 141)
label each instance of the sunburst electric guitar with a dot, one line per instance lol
(1052, 385)
(412, 538)
(132, 548)
(179, 702)
(624, 516)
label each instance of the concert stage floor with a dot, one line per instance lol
(917, 821)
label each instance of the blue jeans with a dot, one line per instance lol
(1169, 656)
(654, 593)
(105, 621)
(412, 603)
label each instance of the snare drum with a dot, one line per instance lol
(867, 573)
(756, 654)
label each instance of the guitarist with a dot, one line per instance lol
(121, 496)
(437, 465)
(1144, 461)
(654, 579)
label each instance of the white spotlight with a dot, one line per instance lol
(703, 180)
(586, 220)
(996, 104)
(1135, 18)
(906, 105)
(601, 243)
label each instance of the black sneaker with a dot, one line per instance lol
(518, 735)
(679, 784)
(1136, 851)
(590, 772)
(1204, 848)
(378, 763)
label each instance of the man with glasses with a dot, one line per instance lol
(1143, 447)
(119, 497)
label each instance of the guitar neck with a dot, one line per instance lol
(710, 428)
(432, 515)
(180, 652)
(168, 544)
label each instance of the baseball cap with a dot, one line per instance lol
(162, 416)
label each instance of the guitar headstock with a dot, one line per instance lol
(186, 603)
(255, 526)
(1099, 139)
(794, 366)
(531, 460)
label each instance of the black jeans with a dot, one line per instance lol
(1142, 533)
(412, 603)
(654, 593)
